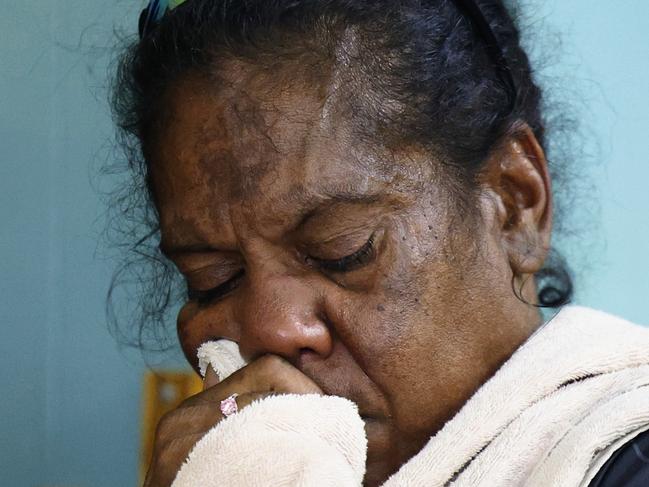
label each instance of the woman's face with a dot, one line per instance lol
(352, 262)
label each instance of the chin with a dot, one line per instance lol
(377, 472)
(388, 450)
(382, 459)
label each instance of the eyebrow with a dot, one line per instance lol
(193, 248)
(335, 199)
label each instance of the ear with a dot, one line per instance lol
(516, 176)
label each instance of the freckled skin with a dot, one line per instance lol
(410, 335)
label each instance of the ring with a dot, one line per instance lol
(229, 405)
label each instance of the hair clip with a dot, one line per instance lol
(152, 14)
(471, 10)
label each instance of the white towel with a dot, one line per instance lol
(550, 416)
(223, 355)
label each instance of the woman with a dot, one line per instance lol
(358, 197)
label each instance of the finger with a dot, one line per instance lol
(198, 419)
(274, 374)
(211, 378)
(269, 373)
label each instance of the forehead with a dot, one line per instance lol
(262, 143)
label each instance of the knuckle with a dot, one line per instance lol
(271, 363)
(166, 426)
(165, 422)
(191, 401)
(267, 370)
(199, 399)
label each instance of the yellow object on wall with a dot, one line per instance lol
(163, 391)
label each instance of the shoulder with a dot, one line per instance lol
(627, 467)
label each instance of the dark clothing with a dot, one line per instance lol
(628, 467)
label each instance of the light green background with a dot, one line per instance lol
(69, 401)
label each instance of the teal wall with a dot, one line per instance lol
(70, 400)
(603, 59)
(70, 397)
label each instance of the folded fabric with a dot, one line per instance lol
(551, 415)
(284, 440)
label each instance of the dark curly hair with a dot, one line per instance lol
(423, 72)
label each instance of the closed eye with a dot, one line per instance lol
(210, 295)
(350, 262)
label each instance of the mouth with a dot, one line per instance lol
(368, 414)
(371, 420)
(374, 427)
(363, 395)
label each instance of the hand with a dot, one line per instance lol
(179, 430)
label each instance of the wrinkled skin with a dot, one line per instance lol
(269, 179)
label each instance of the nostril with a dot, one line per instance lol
(306, 351)
(307, 355)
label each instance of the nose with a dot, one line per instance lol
(281, 315)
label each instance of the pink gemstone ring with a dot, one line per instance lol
(229, 405)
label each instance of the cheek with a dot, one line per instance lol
(393, 340)
(189, 332)
(370, 314)
(376, 323)
(415, 333)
